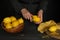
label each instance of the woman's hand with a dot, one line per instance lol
(40, 15)
(26, 14)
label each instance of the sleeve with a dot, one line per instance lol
(43, 5)
(16, 5)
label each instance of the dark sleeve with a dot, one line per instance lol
(43, 5)
(16, 5)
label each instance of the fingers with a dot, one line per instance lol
(24, 10)
(30, 18)
(40, 13)
(26, 14)
(38, 22)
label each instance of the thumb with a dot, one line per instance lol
(40, 12)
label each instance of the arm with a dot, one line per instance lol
(43, 9)
(16, 5)
(43, 5)
(21, 10)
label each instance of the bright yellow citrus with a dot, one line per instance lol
(13, 18)
(8, 26)
(5, 24)
(20, 20)
(15, 23)
(36, 18)
(7, 20)
(53, 28)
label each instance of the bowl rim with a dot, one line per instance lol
(14, 28)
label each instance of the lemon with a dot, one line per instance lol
(53, 28)
(36, 18)
(7, 20)
(20, 20)
(5, 24)
(13, 18)
(15, 23)
(8, 26)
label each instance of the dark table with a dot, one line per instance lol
(29, 33)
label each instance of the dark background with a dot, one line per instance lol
(30, 33)
(53, 10)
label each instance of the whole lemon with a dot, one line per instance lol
(20, 20)
(7, 20)
(13, 18)
(36, 18)
(15, 23)
(53, 28)
(8, 26)
(5, 24)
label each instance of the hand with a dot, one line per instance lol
(26, 14)
(40, 15)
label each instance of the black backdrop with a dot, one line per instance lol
(53, 10)
(7, 10)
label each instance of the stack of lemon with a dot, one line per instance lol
(12, 22)
(36, 19)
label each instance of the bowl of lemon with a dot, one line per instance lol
(12, 24)
(50, 28)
